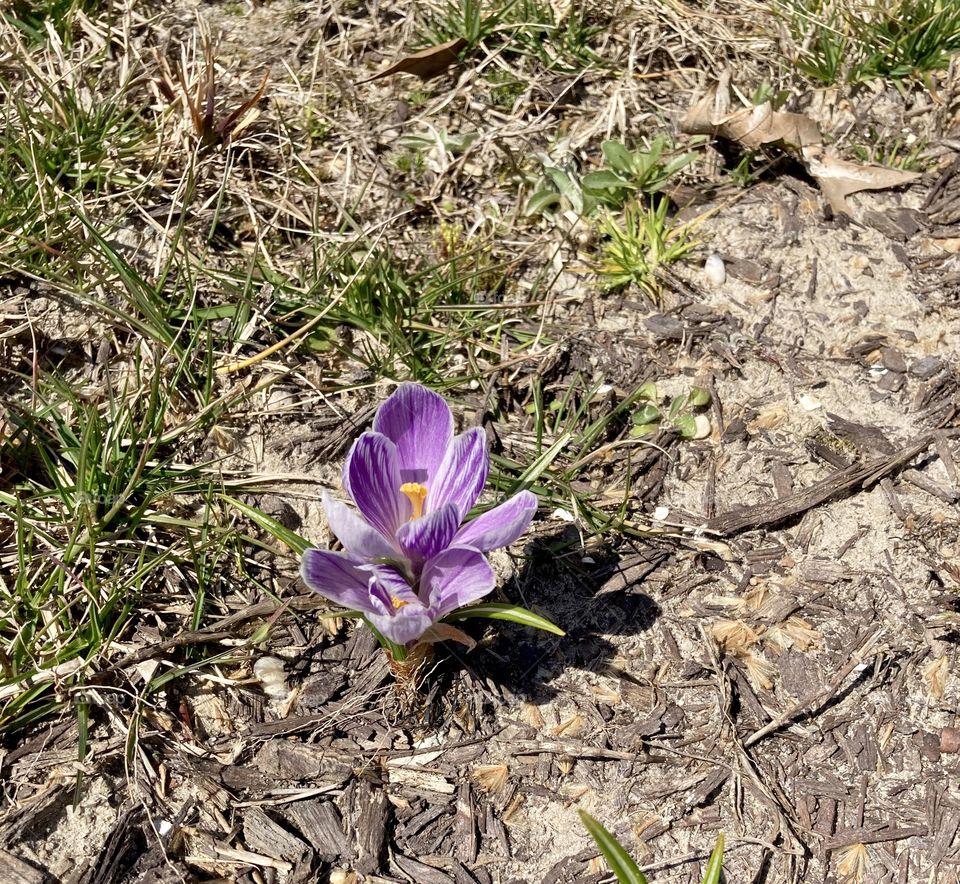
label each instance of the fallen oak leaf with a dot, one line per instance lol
(751, 127)
(426, 63)
(797, 134)
(839, 178)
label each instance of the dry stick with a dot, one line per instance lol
(842, 481)
(819, 697)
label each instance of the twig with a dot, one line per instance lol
(819, 697)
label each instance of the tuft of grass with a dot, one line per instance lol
(32, 17)
(574, 429)
(559, 42)
(94, 509)
(67, 139)
(854, 41)
(637, 249)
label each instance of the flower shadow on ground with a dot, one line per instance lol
(591, 602)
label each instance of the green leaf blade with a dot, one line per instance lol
(504, 611)
(715, 863)
(620, 862)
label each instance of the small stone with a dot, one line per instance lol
(891, 382)
(746, 271)
(950, 740)
(664, 328)
(715, 271)
(893, 360)
(926, 367)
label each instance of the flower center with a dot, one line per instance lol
(398, 603)
(416, 494)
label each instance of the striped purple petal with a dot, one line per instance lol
(458, 576)
(463, 473)
(500, 526)
(423, 538)
(340, 577)
(399, 614)
(371, 476)
(354, 533)
(418, 421)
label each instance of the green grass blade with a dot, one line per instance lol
(715, 864)
(620, 862)
(503, 611)
(297, 543)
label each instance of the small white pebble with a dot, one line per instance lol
(270, 673)
(715, 271)
(808, 403)
(661, 513)
(562, 514)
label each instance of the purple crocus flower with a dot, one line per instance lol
(409, 559)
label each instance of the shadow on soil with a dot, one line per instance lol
(591, 598)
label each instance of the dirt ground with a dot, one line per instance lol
(769, 650)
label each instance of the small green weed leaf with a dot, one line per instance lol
(715, 863)
(676, 404)
(617, 156)
(503, 611)
(541, 201)
(620, 862)
(568, 189)
(648, 414)
(642, 430)
(648, 391)
(293, 540)
(686, 426)
(698, 397)
(604, 180)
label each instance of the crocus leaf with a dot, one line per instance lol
(270, 525)
(503, 611)
(715, 863)
(620, 862)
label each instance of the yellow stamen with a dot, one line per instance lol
(417, 494)
(398, 603)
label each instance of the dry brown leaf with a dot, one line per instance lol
(839, 178)
(426, 63)
(491, 777)
(751, 127)
(442, 632)
(852, 867)
(935, 675)
(798, 135)
(734, 636)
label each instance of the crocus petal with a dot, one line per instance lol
(456, 577)
(371, 477)
(399, 616)
(500, 526)
(461, 476)
(418, 421)
(340, 577)
(425, 537)
(354, 533)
